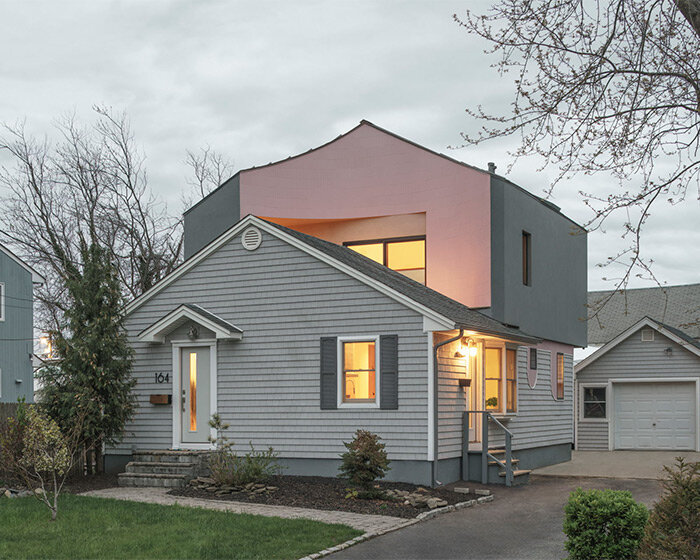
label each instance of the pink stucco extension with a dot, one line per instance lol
(371, 173)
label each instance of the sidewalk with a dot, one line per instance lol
(362, 522)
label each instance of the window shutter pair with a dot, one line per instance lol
(388, 372)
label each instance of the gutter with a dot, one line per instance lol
(436, 378)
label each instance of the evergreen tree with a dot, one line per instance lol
(93, 377)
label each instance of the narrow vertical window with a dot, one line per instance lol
(193, 391)
(359, 372)
(560, 376)
(2, 302)
(511, 381)
(527, 259)
(533, 358)
(493, 379)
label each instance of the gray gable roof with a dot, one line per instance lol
(676, 307)
(213, 318)
(463, 316)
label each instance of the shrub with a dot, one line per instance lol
(364, 462)
(673, 531)
(12, 430)
(603, 524)
(229, 469)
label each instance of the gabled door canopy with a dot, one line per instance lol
(190, 312)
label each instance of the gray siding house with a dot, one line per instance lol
(641, 390)
(17, 279)
(297, 342)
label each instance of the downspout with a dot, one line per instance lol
(436, 382)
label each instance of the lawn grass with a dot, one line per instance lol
(103, 528)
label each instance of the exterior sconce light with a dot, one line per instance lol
(193, 333)
(668, 351)
(467, 348)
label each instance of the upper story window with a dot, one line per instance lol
(527, 258)
(2, 301)
(405, 255)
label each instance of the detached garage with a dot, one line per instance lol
(641, 391)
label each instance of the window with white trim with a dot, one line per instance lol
(500, 391)
(593, 402)
(359, 371)
(2, 301)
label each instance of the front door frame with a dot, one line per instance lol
(177, 388)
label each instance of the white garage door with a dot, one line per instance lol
(654, 415)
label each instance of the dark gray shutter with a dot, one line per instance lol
(329, 372)
(389, 372)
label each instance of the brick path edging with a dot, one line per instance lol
(421, 517)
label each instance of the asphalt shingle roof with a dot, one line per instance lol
(463, 316)
(676, 307)
(213, 318)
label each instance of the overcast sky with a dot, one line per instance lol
(262, 80)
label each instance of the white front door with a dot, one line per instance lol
(195, 401)
(654, 415)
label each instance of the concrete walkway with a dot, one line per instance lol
(362, 522)
(618, 464)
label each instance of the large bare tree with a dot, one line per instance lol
(89, 187)
(602, 86)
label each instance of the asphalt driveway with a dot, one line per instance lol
(521, 523)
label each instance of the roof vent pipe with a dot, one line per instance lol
(492, 167)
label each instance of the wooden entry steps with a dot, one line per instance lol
(520, 476)
(164, 468)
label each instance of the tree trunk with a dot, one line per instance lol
(99, 466)
(691, 11)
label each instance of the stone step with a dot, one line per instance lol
(152, 480)
(168, 456)
(521, 472)
(158, 467)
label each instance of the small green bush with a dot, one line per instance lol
(603, 525)
(364, 462)
(673, 531)
(229, 469)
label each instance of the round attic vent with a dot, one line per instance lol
(251, 238)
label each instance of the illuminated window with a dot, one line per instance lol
(405, 255)
(511, 381)
(359, 371)
(560, 376)
(193, 391)
(493, 379)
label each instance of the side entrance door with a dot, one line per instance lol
(195, 372)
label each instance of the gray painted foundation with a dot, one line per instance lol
(414, 472)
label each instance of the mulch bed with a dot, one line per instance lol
(327, 494)
(78, 484)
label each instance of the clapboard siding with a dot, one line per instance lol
(269, 382)
(541, 420)
(631, 359)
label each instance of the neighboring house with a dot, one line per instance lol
(17, 280)
(640, 390)
(306, 334)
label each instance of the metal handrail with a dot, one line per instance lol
(507, 464)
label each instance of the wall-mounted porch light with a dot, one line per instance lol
(467, 348)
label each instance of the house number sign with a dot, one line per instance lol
(162, 377)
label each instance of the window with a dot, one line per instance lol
(647, 335)
(527, 259)
(2, 302)
(533, 358)
(493, 378)
(594, 401)
(405, 255)
(511, 381)
(560, 376)
(359, 371)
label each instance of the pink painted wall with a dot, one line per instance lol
(370, 173)
(553, 348)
